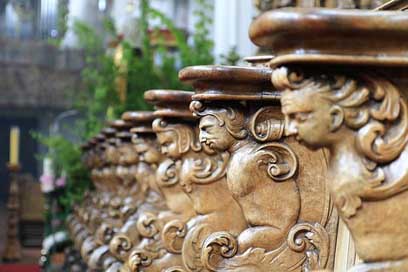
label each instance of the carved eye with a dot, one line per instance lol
(301, 116)
(165, 144)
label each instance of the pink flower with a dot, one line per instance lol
(47, 183)
(60, 182)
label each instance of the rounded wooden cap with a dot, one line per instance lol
(214, 82)
(85, 147)
(120, 125)
(100, 138)
(333, 36)
(170, 103)
(141, 121)
(109, 132)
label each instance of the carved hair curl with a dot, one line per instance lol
(186, 139)
(231, 117)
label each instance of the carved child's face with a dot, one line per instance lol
(147, 150)
(309, 117)
(127, 154)
(169, 144)
(214, 135)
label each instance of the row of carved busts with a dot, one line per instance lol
(207, 189)
(213, 180)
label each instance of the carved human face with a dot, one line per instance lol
(147, 150)
(168, 141)
(214, 135)
(310, 118)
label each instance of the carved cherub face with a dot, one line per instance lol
(146, 149)
(214, 134)
(311, 119)
(168, 141)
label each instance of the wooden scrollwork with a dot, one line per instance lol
(280, 161)
(173, 235)
(267, 125)
(221, 244)
(120, 246)
(148, 225)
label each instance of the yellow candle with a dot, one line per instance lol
(14, 145)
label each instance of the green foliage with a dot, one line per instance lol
(149, 67)
(62, 26)
(231, 58)
(98, 77)
(66, 158)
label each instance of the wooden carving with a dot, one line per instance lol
(353, 106)
(146, 196)
(363, 121)
(286, 230)
(160, 247)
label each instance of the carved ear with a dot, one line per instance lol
(337, 117)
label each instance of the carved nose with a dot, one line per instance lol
(202, 137)
(290, 127)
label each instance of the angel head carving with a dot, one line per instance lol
(175, 139)
(324, 110)
(220, 127)
(147, 149)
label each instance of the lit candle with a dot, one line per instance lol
(14, 145)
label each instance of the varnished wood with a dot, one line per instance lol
(243, 174)
(358, 114)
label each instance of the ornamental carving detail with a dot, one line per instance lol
(362, 119)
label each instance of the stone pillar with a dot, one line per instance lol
(83, 11)
(231, 21)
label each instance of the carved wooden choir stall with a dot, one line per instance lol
(296, 162)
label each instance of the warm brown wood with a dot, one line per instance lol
(266, 174)
(352, 37)
(358, 114)
(243, 174)
(12, 250)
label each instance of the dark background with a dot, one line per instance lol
(28, 150)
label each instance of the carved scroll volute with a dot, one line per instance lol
(120, 246)
(371, 119)
(258, 146)
(267, 124)
(148, 225)
(167, 173)
(140, 258)
(173, 235)
(221, 245)
(278, 160)
(355, 108)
